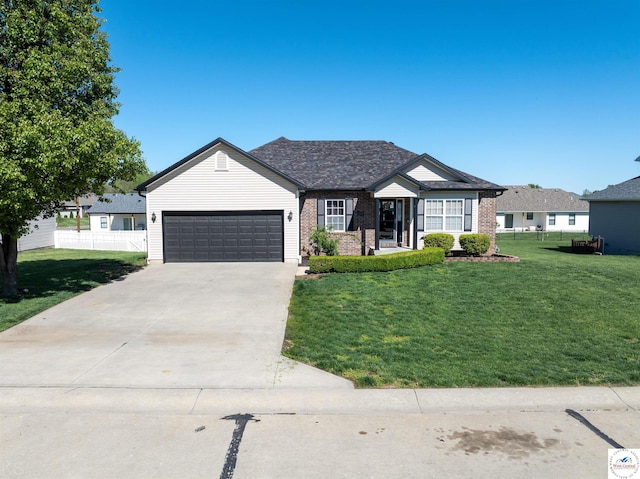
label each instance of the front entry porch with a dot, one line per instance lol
(394, 224)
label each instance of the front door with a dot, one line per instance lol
(391, 222)
(508, 221)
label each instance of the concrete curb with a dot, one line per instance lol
(193, 401)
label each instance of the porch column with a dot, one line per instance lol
(377, 232)
(414, 214)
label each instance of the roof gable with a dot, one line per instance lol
(525, 198)
(196, 154)
(626, 191)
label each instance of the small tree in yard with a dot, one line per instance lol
(57, 101)
(322, 242)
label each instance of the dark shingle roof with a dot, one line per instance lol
(334, 164)
(525, 198)
(119, 203)
(625, 191)
(351, 165)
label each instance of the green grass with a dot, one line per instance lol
(62, 222)
(55, 275)
(555, 318)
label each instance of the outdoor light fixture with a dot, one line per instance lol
(290, 216)
(153, 217)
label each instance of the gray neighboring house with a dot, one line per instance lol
(523, 208)
(40, 235)
(118, 212)
(614, 214)
(84, 203)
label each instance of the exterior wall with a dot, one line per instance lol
(540, 221)
(562, 222)
(351, 242)
(426, 172)
(243, 185)
(618, 223)
(397, 188)
(40, 235)
(454, 195)
(487, 208)
(115, 222)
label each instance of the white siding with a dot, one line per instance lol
(426, 171)
(521, 223)
(562, 222)
(397, 188)
(115, 222)
(245, 185)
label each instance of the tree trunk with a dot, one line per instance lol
(9, 266)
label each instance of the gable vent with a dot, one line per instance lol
(221, 160)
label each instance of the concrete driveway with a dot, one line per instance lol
(203, 325)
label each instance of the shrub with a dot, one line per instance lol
(475, 244)
(439, 240)
(387, 262)
(322, 242)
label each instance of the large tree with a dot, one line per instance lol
(57, 102)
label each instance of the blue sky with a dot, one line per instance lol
(513, 91)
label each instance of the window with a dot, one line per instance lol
(444, 215)
(572, 219)
(434, 215)
(127, 224)
(529, 216)
(552, 219)
(334, 214)
(103, 222)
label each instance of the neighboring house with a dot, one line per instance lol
(221, 203)
(614, 214)
(84, 203)
(40, 235)
(523, 208)
(118, 212)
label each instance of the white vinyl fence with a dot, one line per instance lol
(112, 240)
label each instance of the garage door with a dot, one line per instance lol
(223, 236)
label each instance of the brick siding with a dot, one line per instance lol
(487, 209)
(360, 239)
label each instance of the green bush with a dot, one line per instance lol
(386, 262)
(475, 244)
(439, 240)
(322, 242)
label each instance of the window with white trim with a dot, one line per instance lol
(335, 215)
(572, 219)
(529, 216)
(444, 215)
(103, 222)
(552, 219)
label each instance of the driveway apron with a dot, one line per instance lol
(196, 325)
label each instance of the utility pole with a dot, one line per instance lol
(77, 214)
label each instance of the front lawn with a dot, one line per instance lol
(555, 318)
(51, 276)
